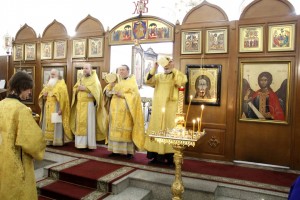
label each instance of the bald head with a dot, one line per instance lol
(87, 69)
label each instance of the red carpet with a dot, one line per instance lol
(87, 173)
(238, 172)
(264, 176)
(43, 198)
(80, 178)
(64, 190)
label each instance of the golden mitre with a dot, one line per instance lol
(163, 61)
(111, 78)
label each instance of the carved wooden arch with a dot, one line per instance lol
(25, 33)
(55, 30)
(146, 21)
(89, 26)
(205, 12)
(268, 8)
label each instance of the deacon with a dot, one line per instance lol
(126, 120)
(89, 121)
(164, 107)
(55, 110)
(21, 141)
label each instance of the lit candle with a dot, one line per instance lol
(163, 117)
(188, 109)
(194, 121)
(202, 108)
(198, 122)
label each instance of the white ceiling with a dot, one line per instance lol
(38, 14)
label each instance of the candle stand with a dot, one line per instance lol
(179, 138)
(178, 144)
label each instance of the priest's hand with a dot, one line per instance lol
(112, 84)
(45, 94)
(81, 88)
(119, 94)
(59, 112)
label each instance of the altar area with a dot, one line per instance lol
(71, 173)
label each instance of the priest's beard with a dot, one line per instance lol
(167, 71)
(87, 74)
(52, 82)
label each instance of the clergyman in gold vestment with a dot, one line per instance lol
(54, 98)
(166, 86)
(126, 120)
(89, 121)
(21, 141)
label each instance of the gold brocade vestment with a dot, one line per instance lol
(165, 96)
(21, 141)
(79, 107)
(56, 94)
(126, 120)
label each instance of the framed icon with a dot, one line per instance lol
(30, 51)
(60, 49)
(204, 84)
(216, 40)
(137, 64)
(79, 48)
(251, 39)
(191, 42)
(264, 91)
(281, 37)
(46, 50)
(18, 52)
(95, 47)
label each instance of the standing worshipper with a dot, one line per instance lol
(88, 120)
(126, 120)
(21, 141)
(54, 99)
(166, 86)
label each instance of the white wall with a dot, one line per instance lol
(38, 14)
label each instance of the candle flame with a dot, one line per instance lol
(202, 107)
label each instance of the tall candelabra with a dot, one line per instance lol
(180, 138)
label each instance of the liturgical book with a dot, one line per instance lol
(55, 118)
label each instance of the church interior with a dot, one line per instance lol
(244, 154)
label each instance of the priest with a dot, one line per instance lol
(55, 107)
(89, 121)
(165, 98)
(126, 120)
